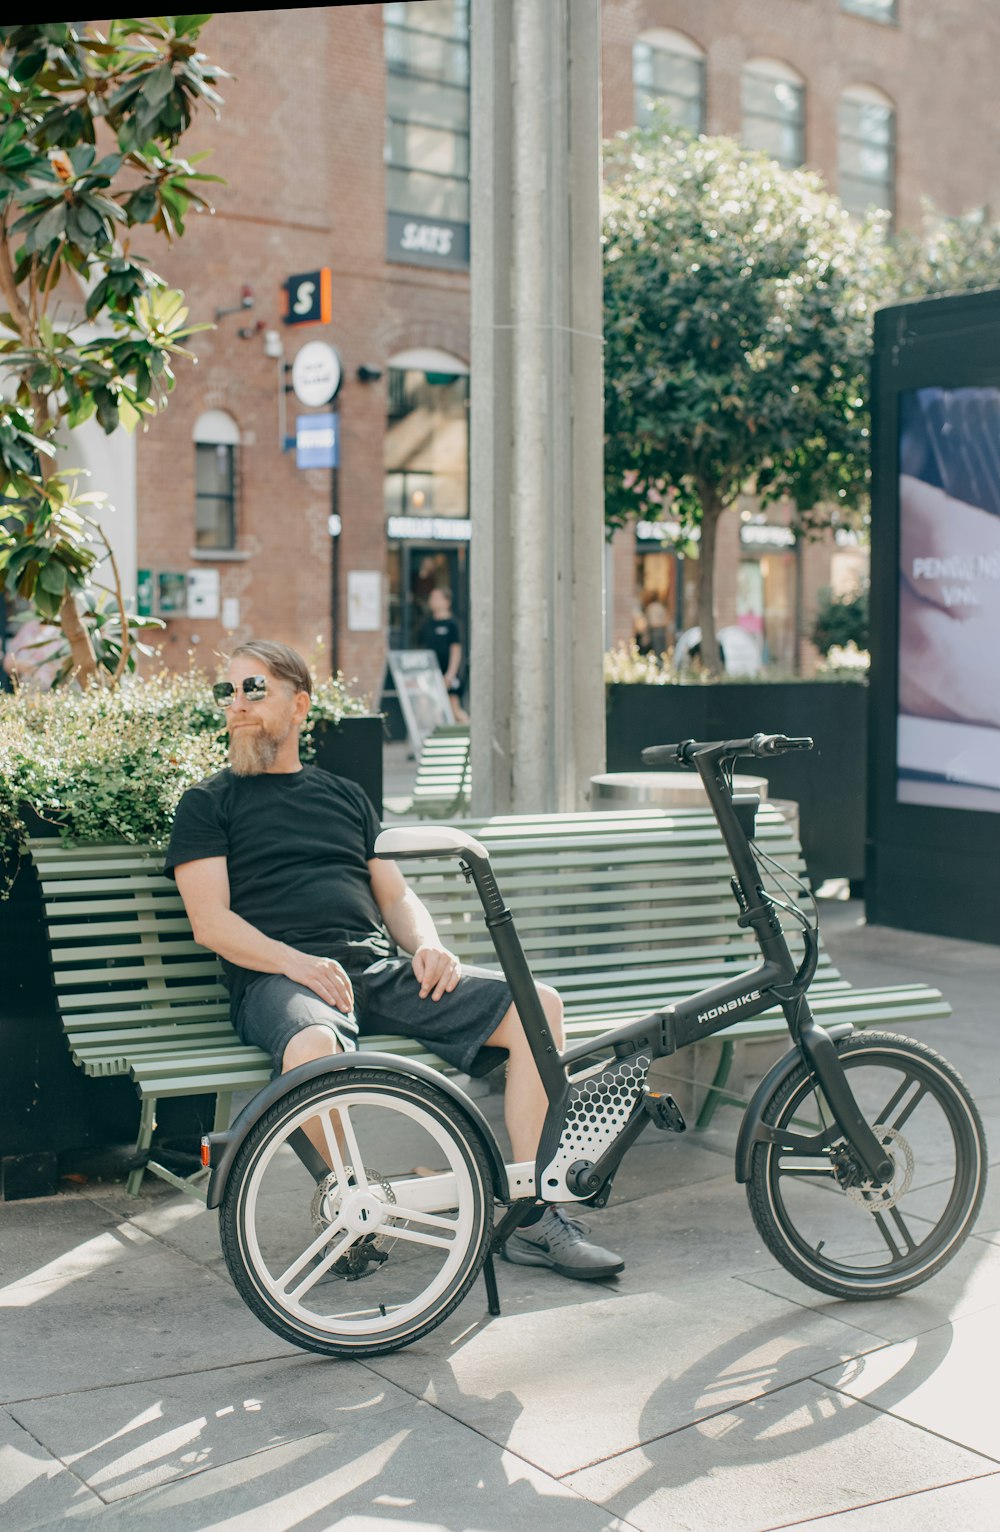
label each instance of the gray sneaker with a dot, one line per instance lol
(558, 1242)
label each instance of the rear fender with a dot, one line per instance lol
(224, 1146)
(776, 1076)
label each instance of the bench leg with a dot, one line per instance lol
(147, 1125)
(716, 1092)
(223, 1108)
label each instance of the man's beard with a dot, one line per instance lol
(252, 751)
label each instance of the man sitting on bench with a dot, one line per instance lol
(275, 863)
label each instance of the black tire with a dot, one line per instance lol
(379, 1279)
(813, 1211)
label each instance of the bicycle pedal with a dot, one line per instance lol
(665, 1112)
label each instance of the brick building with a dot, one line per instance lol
(344, 143)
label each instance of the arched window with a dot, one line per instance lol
(867, 149)
(426, 486)
(216, 444)
(668, 69)
(774, 111)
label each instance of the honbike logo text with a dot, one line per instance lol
(729, 1005)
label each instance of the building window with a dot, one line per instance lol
(216, 444)
(427, 131)
(774, 111)
(875, 10)
(867, 150)
(668, 70)
(426, 486)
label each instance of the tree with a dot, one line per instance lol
(89, 126)
(738, 298)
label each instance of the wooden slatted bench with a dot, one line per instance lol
(441, 789)
(621, 911)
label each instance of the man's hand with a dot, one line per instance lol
(323, 976)
(437, 971)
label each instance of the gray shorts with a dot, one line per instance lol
(386, 1002)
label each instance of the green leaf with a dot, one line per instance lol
(158, 85)
(187, 26)
(53, 578)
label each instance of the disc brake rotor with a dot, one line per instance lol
(367, 1250)
(877, 1199)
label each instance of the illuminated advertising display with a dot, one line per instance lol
(932, 835)
(948, 730)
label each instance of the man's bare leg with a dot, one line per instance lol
(309, 1044)
(525, 1101)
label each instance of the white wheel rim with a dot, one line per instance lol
(449, 1231)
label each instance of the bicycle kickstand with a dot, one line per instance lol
(511, 1220)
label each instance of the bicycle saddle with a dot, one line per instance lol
(427, 840)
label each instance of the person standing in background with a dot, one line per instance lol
(439, 632)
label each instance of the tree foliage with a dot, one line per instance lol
(841, 620)
(738, 299)
(89, 129)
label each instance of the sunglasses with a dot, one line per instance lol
(254, 689)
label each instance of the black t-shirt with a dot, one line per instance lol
(297, 847)
(439, 636)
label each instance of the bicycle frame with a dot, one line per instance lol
(560, 1173)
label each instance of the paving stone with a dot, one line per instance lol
(130, 1317)
(407, 1466)
(973, 1506)
(35, 1488)
(942, 1380)
(564, 1386)
(127, 1439)
(969, 1284)
(177, 1221)
(54, 1237)
(801, 1452)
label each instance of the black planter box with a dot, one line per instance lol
(828, 784)
(353, 748)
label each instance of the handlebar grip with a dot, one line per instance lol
(669, 755)
(778, 744)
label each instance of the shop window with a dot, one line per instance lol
(426, 486)
(427, 436)
(427, 131)
(216, 449)
(655, 615)
(774, 111)
(668, 70)
(867, 150)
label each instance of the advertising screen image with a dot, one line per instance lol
(948, 740)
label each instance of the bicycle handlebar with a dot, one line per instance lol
(683, 754)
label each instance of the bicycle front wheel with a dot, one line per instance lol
(811, 1203)
(383, 1247)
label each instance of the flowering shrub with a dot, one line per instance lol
(625, 666)
(845, 661)
(111, 763)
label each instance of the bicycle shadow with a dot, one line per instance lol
(695, 1470)
(304, 1442)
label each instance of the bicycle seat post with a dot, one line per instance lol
(500, 924)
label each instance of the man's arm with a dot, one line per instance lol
(409, 923)
(204, 888)
(454, 664)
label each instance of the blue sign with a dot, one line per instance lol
(317, 441)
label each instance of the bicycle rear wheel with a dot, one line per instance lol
(810, 1202)
(383, 1248)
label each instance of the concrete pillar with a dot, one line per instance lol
(537, 554)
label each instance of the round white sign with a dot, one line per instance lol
(316, 373)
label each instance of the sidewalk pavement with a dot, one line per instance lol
(703, 1391)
